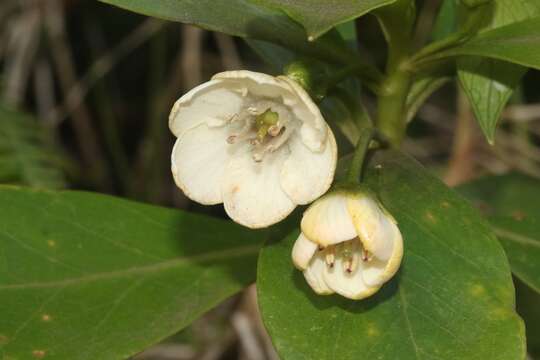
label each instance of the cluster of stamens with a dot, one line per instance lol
(350, 252)
(265, 125)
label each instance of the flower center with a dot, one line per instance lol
(350, 252)
(265, 125)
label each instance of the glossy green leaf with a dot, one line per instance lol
(489, 83)
(516, 43)
(320, 16)
(242, 18)
(512, 205)
(446, 21)
(274, 55)
(347, 31)
(87, 276)
(452, 299)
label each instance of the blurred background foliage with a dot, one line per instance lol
(85, 91)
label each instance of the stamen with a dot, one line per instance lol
(274, 130)
(330, 257)
(350, 257)
(244, 132)
(366, 256)
(353, 265)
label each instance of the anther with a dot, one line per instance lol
(366, 256)
(330, 257)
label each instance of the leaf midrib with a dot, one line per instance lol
(138, 270)
(515, 237)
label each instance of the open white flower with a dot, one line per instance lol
(349, 245)
(254, 142)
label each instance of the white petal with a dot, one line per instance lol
(257, 84)
(252, 192)
(375, 272)
(375, 229)
(348, 284)
(314, 274)
(198, 161)
(303, 251)
(393, 263)
(380, 235)
(306, 175)
(314, 129)
(211, 103)
(327, 221)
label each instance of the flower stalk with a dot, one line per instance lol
(354, 174)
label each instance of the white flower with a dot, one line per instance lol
(349, 245)
(254, 142)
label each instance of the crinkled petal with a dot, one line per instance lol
(258, 85)
(212, 103)
(348, 284)
(314, 274)
(303, 251)
(251, 190)
(375, 272)
(375, 229)
(306, 175)
(380, 235)
(327, 221)
(198, 162)
(314, 129)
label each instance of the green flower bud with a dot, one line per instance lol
(310, 74)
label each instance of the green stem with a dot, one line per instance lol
(391, 119)
(397, 23)
(355, 171)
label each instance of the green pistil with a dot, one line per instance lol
(264, 122)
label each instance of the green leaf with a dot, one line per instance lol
(489, 83)
(274, 55)
(516, 43)
(446, 21)
(245, 19)
(347, 31)
(318, 17)
(512, 205)
(452, 299)
(87, 276)
(27, 156)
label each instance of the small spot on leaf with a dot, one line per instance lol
(51, 243)
(3, 339)
(519, 215)
(39, 354)
(445, 204)
(477, 290)
(46, 317)
(372, 330)
(430, 217)
(500, 313)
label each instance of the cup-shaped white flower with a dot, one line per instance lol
(254, 142)
(349, 245)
